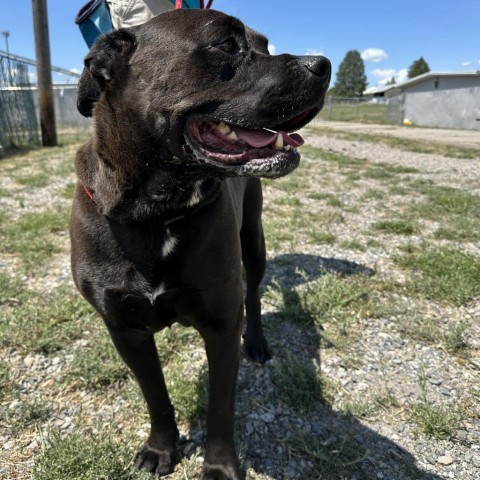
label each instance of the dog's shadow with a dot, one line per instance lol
(286, 441)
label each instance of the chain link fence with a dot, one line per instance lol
(18, 120)
(360, 109)
(19, 112)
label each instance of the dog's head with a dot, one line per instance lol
(199, 86)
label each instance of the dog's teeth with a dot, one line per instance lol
(222, 127)
(287, 148)
(279, 142)
(232, 136)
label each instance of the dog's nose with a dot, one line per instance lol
(319, 66)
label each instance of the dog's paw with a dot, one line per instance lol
(220, 472)
(160, 462)
(257, 350)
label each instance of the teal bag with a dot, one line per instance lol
(94, 19)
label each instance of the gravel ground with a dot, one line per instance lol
(385, 360)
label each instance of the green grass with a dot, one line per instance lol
(289, 201)
(359, 408)
(443, 274)
(319, 237)
(396, 227)
(96, 365)
(454, 338)
(30, 412)
(67, 192)
(34, 237)
(451, 336)
(85, 456)
(277, 232)
(352, 245)
(330, 199)
(12, 290)
(340, 160)
(458, 212)
(174, 340)
(439, 422)
(288, 302)
(332, 304)
(45, 323)
(297, 383)
(6, 383)
(188, 392)
(434, 420)
(336, 458)
(292, 183)
(336, 299)
(375, 194)
(36, 180)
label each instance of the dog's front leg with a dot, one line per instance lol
(138, 350)
(223, 352)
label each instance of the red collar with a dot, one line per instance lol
(89, 194)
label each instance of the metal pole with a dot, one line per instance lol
(6, 35)
(9, 68)
(44, 73)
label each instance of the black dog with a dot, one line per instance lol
(167, 206)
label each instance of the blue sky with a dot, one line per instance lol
(390, 35)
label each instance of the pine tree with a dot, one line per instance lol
(391, 81)
(351, 79)
(418, 67)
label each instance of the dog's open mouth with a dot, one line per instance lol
(230, 144)
(263, 152)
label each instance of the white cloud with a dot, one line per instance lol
(385, 75)
(466, 64)
(314, 51)
(272, 48)
(402, 75)
(374, 55)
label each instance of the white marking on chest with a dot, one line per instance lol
(152, 296)
(169, 244)
(196, 195)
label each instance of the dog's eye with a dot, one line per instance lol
(228, 46)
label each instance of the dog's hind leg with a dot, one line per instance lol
(254, 261)
(139, 352)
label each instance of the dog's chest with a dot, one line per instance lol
(153, 308)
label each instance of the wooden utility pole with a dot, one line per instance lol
(44, 73)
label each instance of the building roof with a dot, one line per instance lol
(420, 78)
(378, 89)
(430, 75)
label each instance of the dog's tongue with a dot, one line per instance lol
(262, 138)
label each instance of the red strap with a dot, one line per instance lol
(89, 194)
(179, 3)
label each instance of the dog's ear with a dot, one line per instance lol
(108, 55)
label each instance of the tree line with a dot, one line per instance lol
(351, 79)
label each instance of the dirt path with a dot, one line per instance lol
(461, 138)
